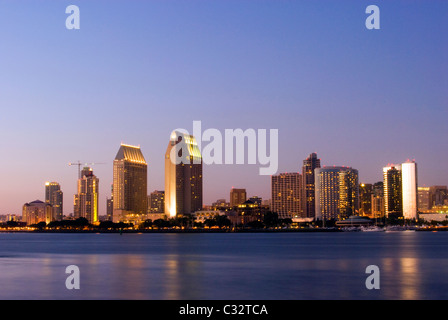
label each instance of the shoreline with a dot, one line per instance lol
(195, 231)
(169, 231)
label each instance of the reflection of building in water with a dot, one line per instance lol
(409, 271)
(182, 277)
(404, 271)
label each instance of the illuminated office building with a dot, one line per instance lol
(86, 200)
(337, 193)
(378, 200)
(392, 184)
(409, 190)
(308, 185)
(286, 195)
(54, 196)
(237, 196)
(365, 199)
(130, 180)
(183, 175)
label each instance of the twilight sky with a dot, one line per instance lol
(136, 70)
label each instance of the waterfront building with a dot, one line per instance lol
(378, 200)
(54, 196)
(337, 193)
(202, 216)
(183, 175)
(409, 190)
(37, 211)
(286, 195)
(308, 186)
(245, 213)
(86, 200)
(365, 199)
(130, 180)
(392, 184)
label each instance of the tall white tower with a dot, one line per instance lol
(409, 189)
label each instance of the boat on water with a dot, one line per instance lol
(350, 229)
(372, 229)
(400, 229)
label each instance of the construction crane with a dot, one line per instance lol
(79, 164)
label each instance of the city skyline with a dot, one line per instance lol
(134, 153)
(356, 97)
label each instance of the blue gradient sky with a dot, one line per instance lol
(138, 69)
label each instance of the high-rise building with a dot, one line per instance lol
(237, 196)
(109, 209)
(378, 200)
(130, 184)
(392, 184)
(86, 201)
(409, 190)
(365, 199)
(286, 195)
(183, 175)
(37, 211)
(308, 186)
(110, 205)
(423, 199)
(54, 196)
(156, 201)
(337, 193)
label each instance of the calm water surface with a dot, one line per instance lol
(287, 266)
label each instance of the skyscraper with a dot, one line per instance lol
(409, 190)
(183, 175)
(337, 193)
(86, 201)
(130, 184)
(378, 200)
(54, 196)
(286, 194)
(393, 199)
(308, 186)
(365, 199)
(237, 196)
